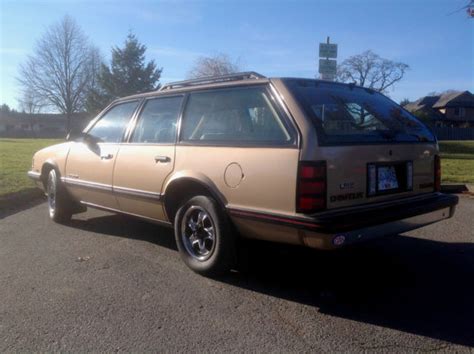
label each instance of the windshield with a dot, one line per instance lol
(346, 114)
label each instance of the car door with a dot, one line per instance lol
(90, 162)
(147, 158)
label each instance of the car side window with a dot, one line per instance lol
(111, 126)
(158, 120)
(240, 115)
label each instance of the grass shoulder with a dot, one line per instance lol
(15, 161)
(457, 161)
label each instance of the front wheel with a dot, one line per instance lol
(59, 206)
(204, 237)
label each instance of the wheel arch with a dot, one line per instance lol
(182, 187)
(47, 166)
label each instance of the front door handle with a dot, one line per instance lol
(106, 156)
(162, 159)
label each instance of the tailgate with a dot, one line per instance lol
(395, 171)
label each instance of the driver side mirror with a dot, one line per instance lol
(73, 136)
(83, 137)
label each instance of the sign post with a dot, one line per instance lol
(327, 60)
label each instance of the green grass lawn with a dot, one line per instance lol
(15, 161)
(457, 161)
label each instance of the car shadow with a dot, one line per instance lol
(409, 284)
(16, 202)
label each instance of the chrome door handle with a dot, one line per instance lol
(163, 159)
(106, 157)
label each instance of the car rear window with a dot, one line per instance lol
(347, 114)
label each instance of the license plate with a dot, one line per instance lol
(387, 178)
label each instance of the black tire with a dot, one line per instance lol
(59, 203)
(206, 255)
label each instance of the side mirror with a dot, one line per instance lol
(76, 136)
(71, 136)
(90, 140)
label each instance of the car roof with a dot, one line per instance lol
(231, 80)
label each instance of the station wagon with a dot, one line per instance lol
(298, 161)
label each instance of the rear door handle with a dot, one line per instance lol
(106, 157)
(162, 159)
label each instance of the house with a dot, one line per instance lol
(24, 125)
(451, 109)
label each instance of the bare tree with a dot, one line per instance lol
(370, 70)
(61, 69)
(216, 65)
(404, 102)
(30, 102)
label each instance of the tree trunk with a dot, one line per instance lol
(68, 122)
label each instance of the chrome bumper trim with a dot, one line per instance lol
(36, 176)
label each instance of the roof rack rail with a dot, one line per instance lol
(212, 79)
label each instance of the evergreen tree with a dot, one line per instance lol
(128, 74)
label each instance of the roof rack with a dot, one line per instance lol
(213, 79)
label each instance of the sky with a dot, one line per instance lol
(274, 38)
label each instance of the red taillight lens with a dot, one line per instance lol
(311, 188)
(310, 172)
(437, 173)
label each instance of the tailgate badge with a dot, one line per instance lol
(346, 185)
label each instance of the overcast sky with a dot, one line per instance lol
(275, 38)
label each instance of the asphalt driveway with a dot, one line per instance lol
(106, 283)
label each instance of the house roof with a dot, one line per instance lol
(422, 103)
(457, 98)
(450, 99)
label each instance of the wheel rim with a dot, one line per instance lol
(198, 233)
(51, 193)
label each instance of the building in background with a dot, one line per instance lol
(453, 109)
(24, 125)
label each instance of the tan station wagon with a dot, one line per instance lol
(297, 161)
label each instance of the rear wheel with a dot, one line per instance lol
(59, 205)
(204, 237)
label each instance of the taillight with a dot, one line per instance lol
(437, 173)
(311, 188)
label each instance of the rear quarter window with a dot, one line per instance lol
(234, 116)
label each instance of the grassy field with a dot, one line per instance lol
(15, 161)
(457, 162)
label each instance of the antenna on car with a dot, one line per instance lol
(213, 79)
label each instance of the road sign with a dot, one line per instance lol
(327, 67)
(327, 50)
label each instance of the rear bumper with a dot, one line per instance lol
(382, 213)
(343, 238)
(334, 229)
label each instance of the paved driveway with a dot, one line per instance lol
(106, 282)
